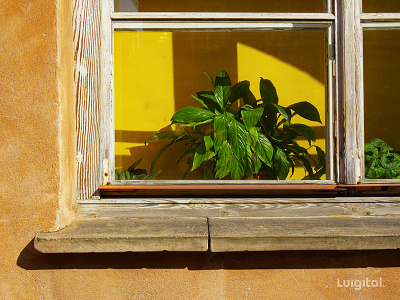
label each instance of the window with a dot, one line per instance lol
(353, 46)
(153, 61)
(295, 52)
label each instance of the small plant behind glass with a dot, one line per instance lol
(258, 135)
(381, 160)
(135, 174)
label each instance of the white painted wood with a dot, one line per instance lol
(222, 16)
(122, 25)
(86, 20)
(381, 26)
(329, 105)
(380, 17)
(106, 172)
(350, 47)
(107, 89)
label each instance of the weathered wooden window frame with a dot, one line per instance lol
(287, 21)
(344, 23)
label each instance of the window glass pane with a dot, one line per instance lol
(381, 6)
(309, 6)
(382, 105)
(157, 72)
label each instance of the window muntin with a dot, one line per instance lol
(273, 6)
(307, 76)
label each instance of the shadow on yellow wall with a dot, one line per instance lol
(157, 72)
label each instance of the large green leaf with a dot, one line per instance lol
(305, 131)
(269, 118)
(237, 169)
(281, 164)
(224, 160)
(237, 136)
(239, 90)
(222, 88)
(250, 99)
(252, 137)
(252, 117)
(208, 142)
(286, 114)
(306, 110)
(221, 124)
(268, 92)
(207, 99)
(264, 149)
(191, 114)
(201, 156)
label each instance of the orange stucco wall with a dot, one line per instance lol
(37, 192)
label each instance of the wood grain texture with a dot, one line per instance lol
(229, 210)
(266, 234)
(86, 19)
(352, 133)
(84, 236)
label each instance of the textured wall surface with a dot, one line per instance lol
(37, 191)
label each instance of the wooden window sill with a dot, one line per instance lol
(223, 234)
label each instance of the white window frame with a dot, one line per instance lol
(203, 21)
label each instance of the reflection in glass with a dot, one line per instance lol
(157, 72)
(382, 103)
(309, 6)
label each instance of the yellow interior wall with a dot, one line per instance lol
(156, 72)
(309, 6)
(381, 86)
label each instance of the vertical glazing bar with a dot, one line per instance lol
(359, 87)
(330, 106)
(107, 126)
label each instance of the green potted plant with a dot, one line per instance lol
(224, 141)
(381, 160)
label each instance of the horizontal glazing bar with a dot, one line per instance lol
(223, 16)
(120, 25)
(380, 17)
